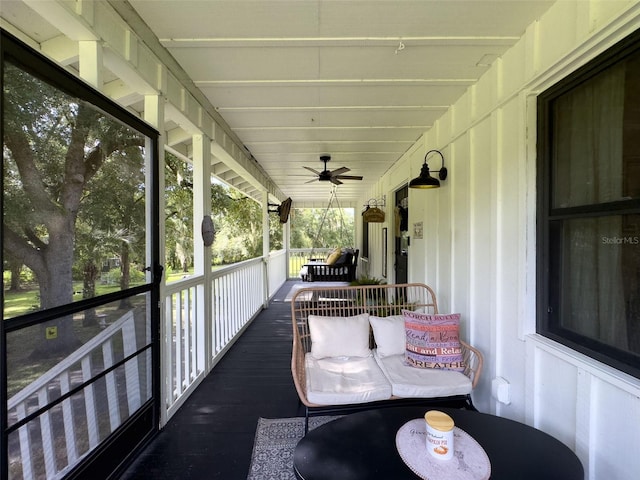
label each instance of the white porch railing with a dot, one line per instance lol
(185, 337)
(56, 440)
(238, 295)
(276, 270)
(193, 346)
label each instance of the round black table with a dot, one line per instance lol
(362, 446)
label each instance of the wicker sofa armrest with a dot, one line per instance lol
(298, 368)
(473, 360)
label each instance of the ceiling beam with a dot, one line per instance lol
(337, 41)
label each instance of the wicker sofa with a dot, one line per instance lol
(328, 384)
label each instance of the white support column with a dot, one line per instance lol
(265, 244)
(286, 244)
(202, 254)
(154, 106)
(201, 200)
(90, 60)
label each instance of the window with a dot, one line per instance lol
(589, 209)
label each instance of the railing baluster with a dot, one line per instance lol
(224, 305)
(201, 329)
(215, 328)
(170, 357)
(231, 311)
(180, 342)
(131, 372)
(186, 339)
(67, 416)
(90, 403)
(46, 430)
(112, 388)
(197, 345)
(235, 304)
(25, 443)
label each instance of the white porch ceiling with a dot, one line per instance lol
(294, 79)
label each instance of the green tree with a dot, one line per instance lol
(321, 228)
(93, 245)
(14, 267)
(178, 213)
(114, 209)
(53, 147)
(238, 221)
(275, 233)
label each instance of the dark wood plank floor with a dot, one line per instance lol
(211, 436)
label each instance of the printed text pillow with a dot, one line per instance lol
(433, 340)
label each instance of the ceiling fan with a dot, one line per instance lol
(332, 176)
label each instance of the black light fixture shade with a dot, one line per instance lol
(425, 180)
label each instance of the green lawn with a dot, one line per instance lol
(26, 299)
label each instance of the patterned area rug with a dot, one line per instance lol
(272, 457)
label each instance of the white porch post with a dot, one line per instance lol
(286, 244)
(265, 245)
(202, 254)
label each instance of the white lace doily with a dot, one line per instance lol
(469, 462)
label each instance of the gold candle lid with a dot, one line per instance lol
(439, 420)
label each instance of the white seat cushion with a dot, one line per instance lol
(409, 382)
(345, 380)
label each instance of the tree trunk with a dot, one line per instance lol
(90, 272)
(56, 288)
(15, 268)
(125, 278)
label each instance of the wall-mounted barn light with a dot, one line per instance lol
(425, 180)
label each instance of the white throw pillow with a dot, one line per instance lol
(390, 334)
(339, 336)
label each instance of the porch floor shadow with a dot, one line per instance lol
(211, 436)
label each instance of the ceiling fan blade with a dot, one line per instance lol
(335, 181)
(349, 177)
(311, 181)
(340, 171)
(312, 170)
